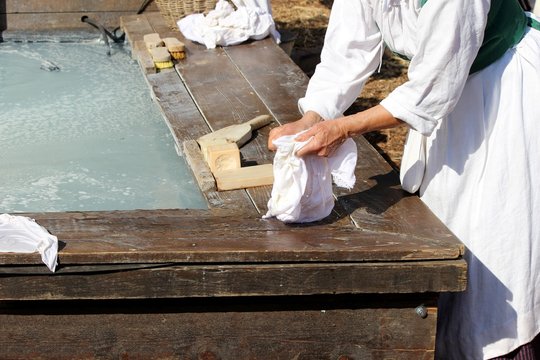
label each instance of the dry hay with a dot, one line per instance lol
(306, 18)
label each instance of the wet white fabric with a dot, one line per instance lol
(482, 140)
(302, 190)
(21, 234)
(226, 26)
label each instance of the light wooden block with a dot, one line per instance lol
(223, 157)
(245, 177)
(206, 144)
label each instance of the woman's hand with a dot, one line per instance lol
(309, 119)
(330, 134)
(327, 137)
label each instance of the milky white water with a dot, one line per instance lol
(86, 137)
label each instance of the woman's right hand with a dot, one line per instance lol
(309, 119)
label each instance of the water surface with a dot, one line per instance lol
(85, 137)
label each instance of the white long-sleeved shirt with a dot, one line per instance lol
(442, 38)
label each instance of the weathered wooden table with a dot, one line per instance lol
(222, 283)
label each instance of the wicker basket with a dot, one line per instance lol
(174, 10)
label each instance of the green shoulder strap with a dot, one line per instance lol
(506, 25)
(533, 23)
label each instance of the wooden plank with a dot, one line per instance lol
(200, 236)
(223, 96)
(56, 21)
(177, 281)
(277, 80)
(378, 203)
(201, 170)
(143, 57)
(55, 6)
(160, 26)
(181, 115)
(186, 123)
(135, 27)
(279, 83)
(217, 331)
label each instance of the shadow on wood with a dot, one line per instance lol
(376, 200)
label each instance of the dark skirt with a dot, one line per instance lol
(529, 351)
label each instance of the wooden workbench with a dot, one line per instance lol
(222, 283)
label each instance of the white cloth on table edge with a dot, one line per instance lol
(226, 26)
(21, 234)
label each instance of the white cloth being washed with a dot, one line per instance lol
(302, 190)
(226, 26)
(20, 234)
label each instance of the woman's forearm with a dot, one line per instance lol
(372, 119)
(328, 135)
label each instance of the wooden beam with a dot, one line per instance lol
(177, 281)
(200, 236)
(279, 328)
(199, 167)
(70, 6)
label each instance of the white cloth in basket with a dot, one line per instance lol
(226, 26)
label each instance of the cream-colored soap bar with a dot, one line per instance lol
(223, 157)
(245, 177)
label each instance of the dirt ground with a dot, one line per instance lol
(307, 20)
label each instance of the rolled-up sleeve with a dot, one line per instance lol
(449, 35)
(351, 53)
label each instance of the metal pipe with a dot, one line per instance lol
(106, 34)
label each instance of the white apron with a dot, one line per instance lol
(482, 151)
(486, 189)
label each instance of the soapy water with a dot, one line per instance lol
(79, 131)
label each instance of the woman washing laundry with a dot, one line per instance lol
(471, 102)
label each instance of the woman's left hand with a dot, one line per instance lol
(327, 137)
